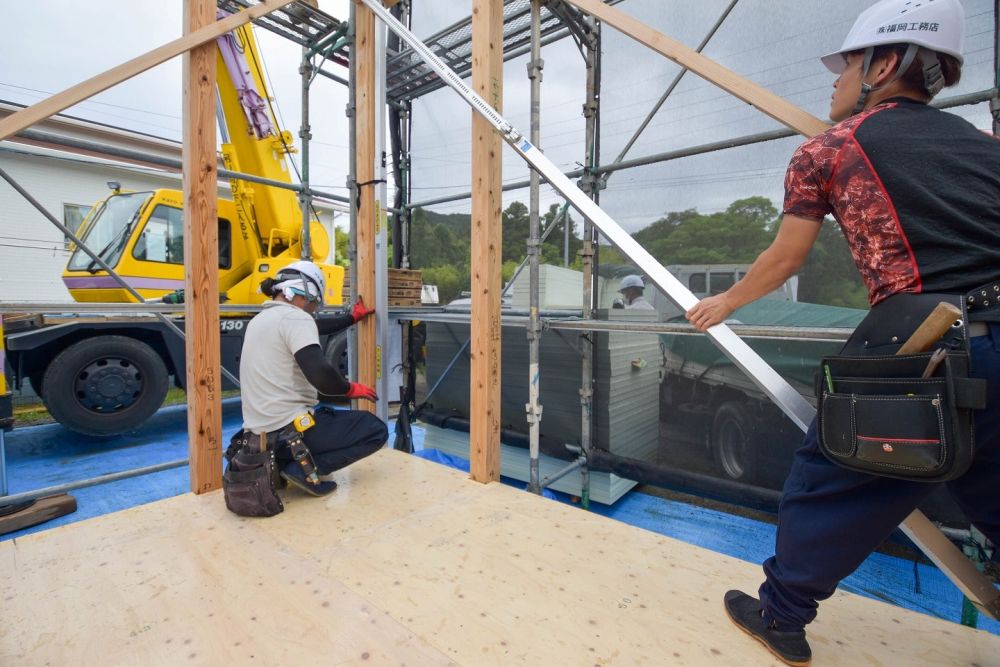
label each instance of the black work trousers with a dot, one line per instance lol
(831, 518)
(339, 438)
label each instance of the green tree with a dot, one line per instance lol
(341, 245)
(734, 236)
(450, 280)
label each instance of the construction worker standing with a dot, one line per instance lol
(631, 291)
(283, 371)
(914, 190)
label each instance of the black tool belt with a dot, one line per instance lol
(983, 303)
(877, 413)
(250, 481)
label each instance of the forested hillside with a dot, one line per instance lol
(440, 247)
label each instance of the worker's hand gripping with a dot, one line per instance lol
(359, 390)
(359, 311)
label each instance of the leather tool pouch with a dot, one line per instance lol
(250, 480)
(877, 415)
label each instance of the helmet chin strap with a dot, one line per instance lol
(933, 78)
(866, 89)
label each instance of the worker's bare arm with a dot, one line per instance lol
(773, 267)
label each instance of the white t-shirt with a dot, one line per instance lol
(273, 388)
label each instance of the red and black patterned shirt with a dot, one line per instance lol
(916, 192)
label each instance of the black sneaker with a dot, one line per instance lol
(744, 611)
(296, 477)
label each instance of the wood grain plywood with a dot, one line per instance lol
(179, 582)
(409, 563)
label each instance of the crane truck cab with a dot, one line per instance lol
(141, 236)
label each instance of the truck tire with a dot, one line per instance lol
(731, 444)
(336, 353)
(105, 385)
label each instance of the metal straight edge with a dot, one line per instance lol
(793, 404)
(770, 382)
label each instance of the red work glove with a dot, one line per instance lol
(359, 311)
(359, 390)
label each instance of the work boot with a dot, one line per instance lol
(295, 476)
(745, 612)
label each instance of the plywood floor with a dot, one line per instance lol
(408, 563)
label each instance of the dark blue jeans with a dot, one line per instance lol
(831, 519)
(339, 438)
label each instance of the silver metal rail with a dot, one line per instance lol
(168, 162)
(92, 481)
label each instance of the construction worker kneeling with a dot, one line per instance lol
(285, 439)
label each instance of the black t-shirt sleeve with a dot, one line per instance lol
(331, 324)
(321, 373)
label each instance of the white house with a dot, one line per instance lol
(33, 252)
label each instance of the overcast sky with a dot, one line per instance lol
(49, 45)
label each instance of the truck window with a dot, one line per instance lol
(698, 283)
(162, 239)
(110, 230)
(720, 281)
(73, 215)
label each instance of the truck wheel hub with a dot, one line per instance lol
(108, 384)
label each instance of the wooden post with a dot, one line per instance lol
(364, 86)
(201, 255)
(484, 376)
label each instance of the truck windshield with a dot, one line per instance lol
(107, 234)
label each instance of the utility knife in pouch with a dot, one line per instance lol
(250, 481)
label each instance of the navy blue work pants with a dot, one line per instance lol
(339, 438)
(830, 518)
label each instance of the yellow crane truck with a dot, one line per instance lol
(104, 376)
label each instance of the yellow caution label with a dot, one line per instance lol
(3, 358)
(378, 362)
(304, 422)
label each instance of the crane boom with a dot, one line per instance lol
(255, 144)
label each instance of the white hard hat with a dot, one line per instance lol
(937, 25)
(305, 278)
(631, 281)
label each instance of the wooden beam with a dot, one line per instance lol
(365, 95)
(81, 91)
(774, 106)
(484, 376)
(201, 255)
